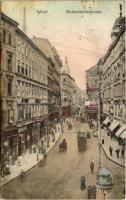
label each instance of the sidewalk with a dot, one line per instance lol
(28, 160)
(114, 144)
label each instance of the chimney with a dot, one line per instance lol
(24, 20)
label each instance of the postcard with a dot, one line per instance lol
(62, 99)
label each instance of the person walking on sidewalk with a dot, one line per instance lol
(92, 166)
(110, 150)
(117, 152)
(122, 152)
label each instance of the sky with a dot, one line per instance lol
(82, 37)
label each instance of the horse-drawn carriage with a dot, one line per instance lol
(63, 146)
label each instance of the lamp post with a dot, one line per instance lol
(104, 180)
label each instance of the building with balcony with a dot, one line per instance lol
(113, 79)
(30, 86)
(8, 104)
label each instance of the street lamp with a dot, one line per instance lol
(104, 180)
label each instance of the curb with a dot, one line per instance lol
(30, 167)
(109, 157)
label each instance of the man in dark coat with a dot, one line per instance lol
(117, 152)
(110, 150)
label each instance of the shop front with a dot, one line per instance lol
(25, 138)
(9, 144)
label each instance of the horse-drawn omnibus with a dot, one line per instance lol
(82, 141)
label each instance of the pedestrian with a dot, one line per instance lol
(45, 156)
(82, 183)
(89, 191)
(123, 192)
(92, 166)
(122, 152)
(110, 150)
(111, 136)
(117, 152)
(102, 140)
(93, 192)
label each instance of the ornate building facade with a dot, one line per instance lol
(113, 79)
(92, 93)
(53, 81)
(67, 90)
(8, 103)
(30, 89)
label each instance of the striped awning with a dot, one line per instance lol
(106, 121)
(123, 135)
(121, 129)
(113, 125)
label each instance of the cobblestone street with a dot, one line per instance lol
(60, 178)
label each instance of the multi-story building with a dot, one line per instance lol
(113, 76)
(8, 104)
(54, 69)
(27, 76)
(92, 93)
(31, 90)
(67, 90)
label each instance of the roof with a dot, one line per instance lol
(5, 17)
(93, 71)
(65, 68)
(19, 31)
(44, 45)
(49, 50)
(122, 30)
(119, 21)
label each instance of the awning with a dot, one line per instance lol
(106, 121)
(113, 125)
(122, 128)
(123, 135)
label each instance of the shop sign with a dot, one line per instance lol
(21, 129)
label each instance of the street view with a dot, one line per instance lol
(63, 100)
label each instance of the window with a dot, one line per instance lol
(9, 87)
(64, 80)
(22, 69)
(18, 46)
(9, 39)
(18, 67)
(26, 72)
(9, 62)
(4, 36)
(26, 51)
(23, 48)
